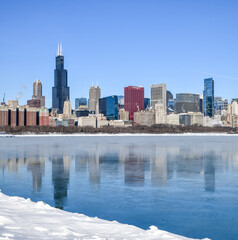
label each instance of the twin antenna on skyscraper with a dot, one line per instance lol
(60, 50)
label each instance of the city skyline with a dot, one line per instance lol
(179, 44)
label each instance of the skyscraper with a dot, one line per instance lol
(146, 103)
(112, 107)
(94, 95)
(67, 108)
(109, 107)
(80, 101)
(103, 106)
(158, 94)
(160, 113)
(134, 100)
(220, 105)
(187, 102)
(60, 91)
(37, 92)
(208, 97)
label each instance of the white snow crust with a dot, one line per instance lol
(121, 135)
(23, 219)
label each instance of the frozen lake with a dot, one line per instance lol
(187, 185)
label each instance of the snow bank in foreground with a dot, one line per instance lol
(23, 219)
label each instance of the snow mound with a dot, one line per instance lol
(23, 219)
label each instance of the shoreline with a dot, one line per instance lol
(208, 134)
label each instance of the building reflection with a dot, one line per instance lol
(189, 163)
(209, 171)
(193, 162)
(13, 164)
(109, 163)
(134, 168)
(81, 162)
(60, 179)
(37, 167)
(93, 168)
(158, 166)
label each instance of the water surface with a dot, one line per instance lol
(186, 185)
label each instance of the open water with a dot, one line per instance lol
(186, 185)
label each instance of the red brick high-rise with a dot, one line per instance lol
(133, 100)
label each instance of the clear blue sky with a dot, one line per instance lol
(119, 43)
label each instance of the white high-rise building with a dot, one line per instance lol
(158, 94)
(234, 108)
(67, 109)
(160, 113)
(94, 95)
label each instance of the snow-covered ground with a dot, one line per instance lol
(23, 219)
(120, 134)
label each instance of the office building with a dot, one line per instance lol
(102, 122)
(234, 107)
(220, 105)
(35, 103)
(37, 92)
(43, 117)
(208, 97)
(80, 101)
(196, 118)
(123, 114)
(112, 108)
(134, 100)
(22, 116)
(187, 102)
(171, 105)
(89, 121)
(4, 116)
(158, 94)
(82, 111)
(109, 107)
(185, 119)
(201, 102)
(146, 118)
(120, 102)
(32, 117)
(160, 113)
(94, 95)
(103, 106)
(146, 103)
(173, 119)
(67, 109)
(60, 91)
(234, 121)
(169, 95)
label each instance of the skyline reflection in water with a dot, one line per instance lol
(170, 182)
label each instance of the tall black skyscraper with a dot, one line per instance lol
(60, 91)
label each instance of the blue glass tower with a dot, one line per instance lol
(112, 108)
(80, 101)
(60, 91)
(103, 106)
(208, 97)
(109, 107)
(147, 102)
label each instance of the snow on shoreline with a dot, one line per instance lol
(23, 219)
(121, 135)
